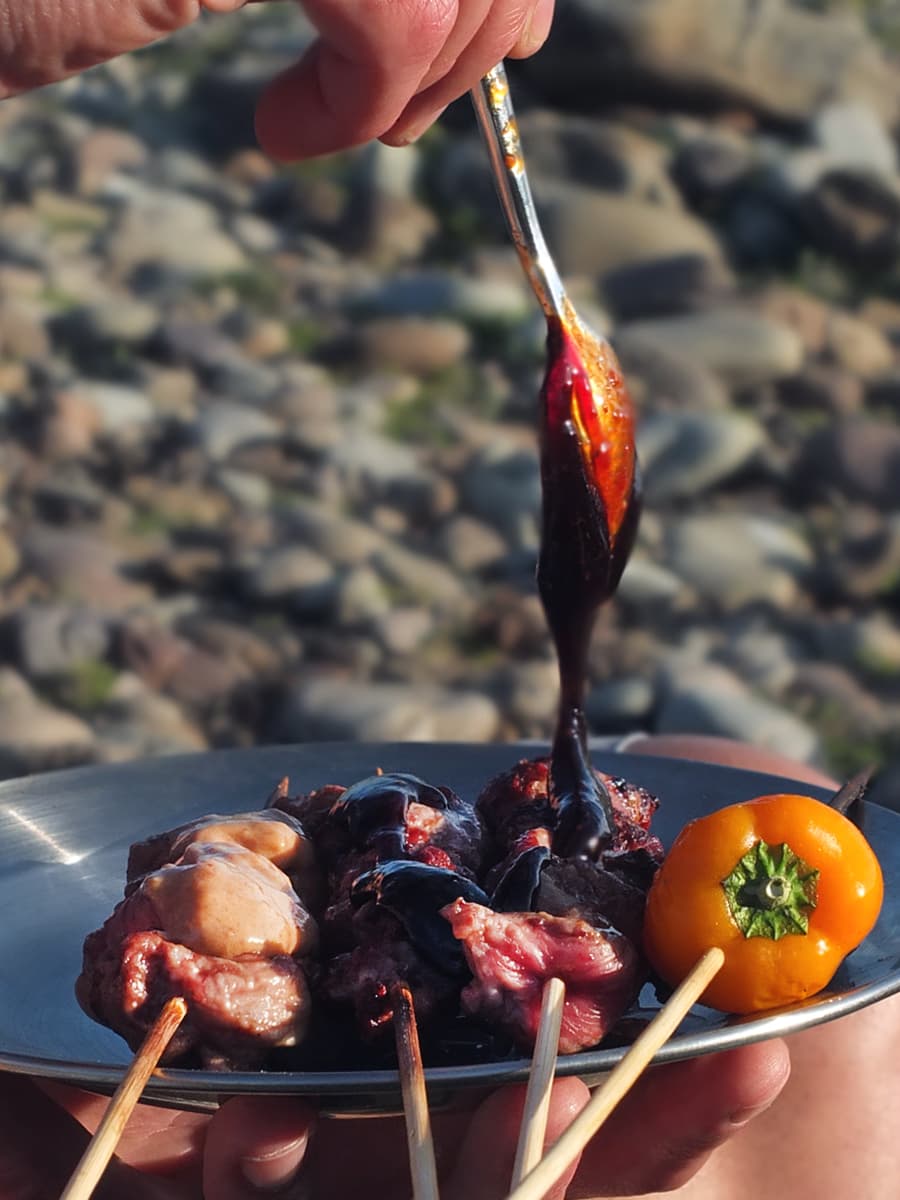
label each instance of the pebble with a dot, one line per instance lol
(619, 705)
(664, 376)
(413, 343)
(869, 643)
(686, 453)
(501, 485)
(852, 135)
(666, 285)
(528, 693)
(854, 216)
(269, 462)
(594, 232)
(823, 388)
(706, 698)
(851, 711)
(224, 427)
(10, 557)
(137, 722)
(36, 736)
(443, 294)
(296, 575)
(742, 347)
(860, 457)
(338, 710)
(733, 559)
(421, 577)
(121, 411)
(402, 630)
(646, 584)
(118, 319)
(102, 154)
(371, 466)
(343, 540)
(470, 545)
(171, 230)
(858, 347)
(361, 597)
(52, 639)
(83, 568)
(777, 60)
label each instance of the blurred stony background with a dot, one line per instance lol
(268, 458)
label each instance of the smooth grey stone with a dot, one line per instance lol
(686, 453)
(707, 699)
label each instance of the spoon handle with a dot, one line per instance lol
(497, 120)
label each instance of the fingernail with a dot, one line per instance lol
(534, 31)
(744, 1116)
(278, 1169)
(408, 134)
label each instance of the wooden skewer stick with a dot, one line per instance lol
(102, 1145)
(540, 1082)
(604, 1100)
(415, 1098)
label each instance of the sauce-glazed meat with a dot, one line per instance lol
(404, 821)
(516, 809)
(518, 801)
(470, 906)
(273, 835)
(221, 925)
(512, 955)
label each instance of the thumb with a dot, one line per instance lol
(675, 1116)
(487, 1152)
(256, 1145)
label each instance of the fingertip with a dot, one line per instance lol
(485, 1159)
(568, 1098)
(298, 116)
(760, 1073)
(282, 112)
(535, 31)
(403, 134)
(676, 1115)
(256, 1144)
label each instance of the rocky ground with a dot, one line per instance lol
(268, 456)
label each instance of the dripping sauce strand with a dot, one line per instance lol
(591, 506)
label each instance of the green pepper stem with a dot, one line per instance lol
(771, 892)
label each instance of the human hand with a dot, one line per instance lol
(381, 69)
(658, 1138)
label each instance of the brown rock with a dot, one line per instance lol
(859, 456)
(858, 346)
(805, 314)
(103, 153)
(414, 343)
(70, 427)
(22, 332)
(10, 558)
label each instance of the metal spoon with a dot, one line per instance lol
(614, 464)
(591, 484)
(494, 110)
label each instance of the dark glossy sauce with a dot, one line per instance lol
(590, 513)
(374, 810)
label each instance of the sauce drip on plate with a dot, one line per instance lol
(591, 506)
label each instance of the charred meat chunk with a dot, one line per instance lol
(512, 955)
(517, 802)
(220, 926)
(238, 1010)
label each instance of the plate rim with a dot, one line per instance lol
(169, 1085)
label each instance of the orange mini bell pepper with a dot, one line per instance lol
(784, 884)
